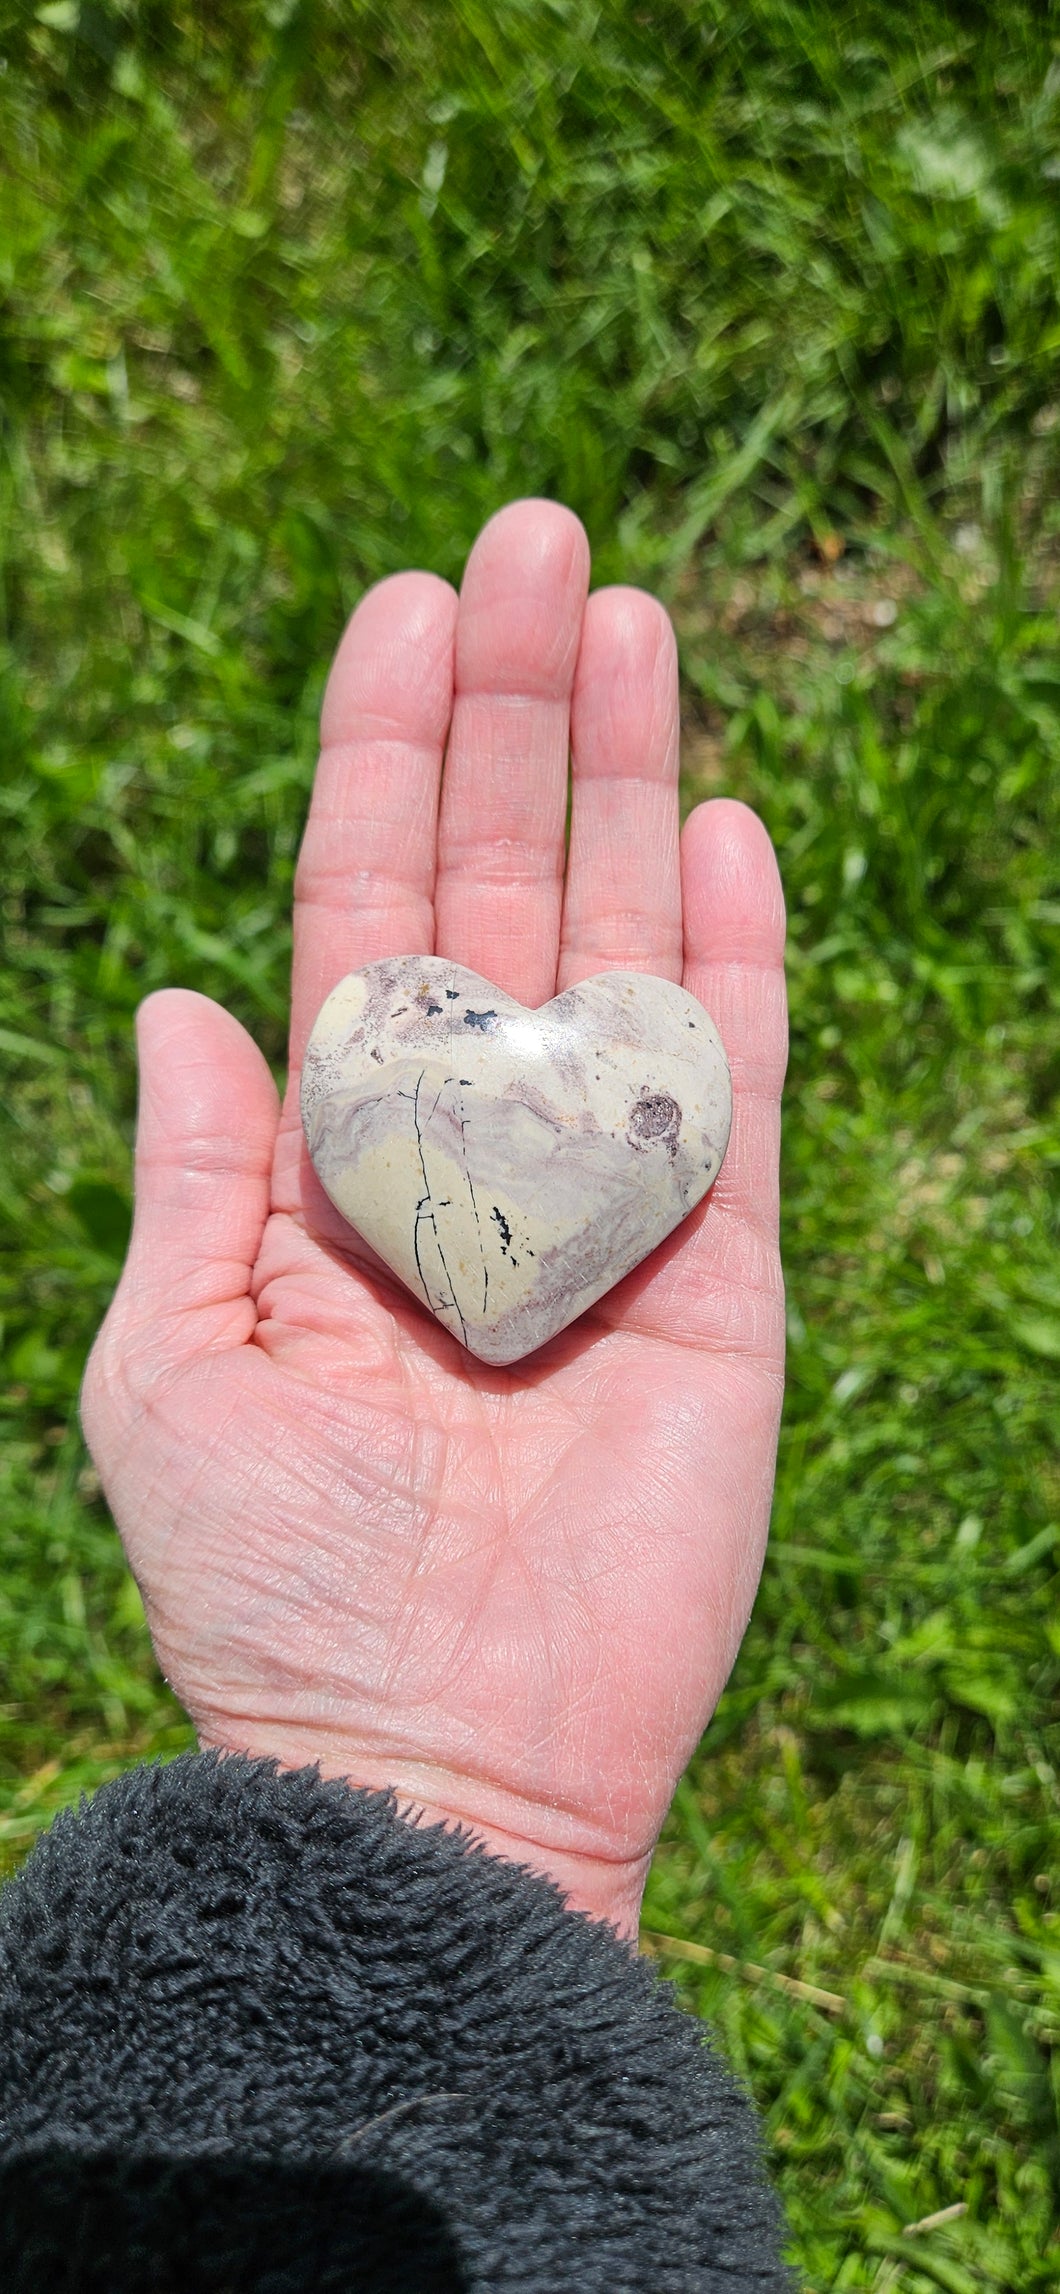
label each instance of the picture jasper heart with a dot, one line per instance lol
(511, 1165)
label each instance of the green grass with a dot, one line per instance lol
(294, 294)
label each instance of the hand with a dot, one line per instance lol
(513, 1595)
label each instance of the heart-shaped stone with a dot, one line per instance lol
(511, 1165)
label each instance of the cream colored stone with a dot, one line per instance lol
(511, 1165)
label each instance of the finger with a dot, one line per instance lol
(622, 905)
(366, 870)
(716, 1282)
(504, 798)
(734, 962)
(205, 1133)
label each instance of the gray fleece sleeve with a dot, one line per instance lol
(258, 2031)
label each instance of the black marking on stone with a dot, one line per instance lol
(377, 1055)
(474, 1206)
(424, 1209)
(504, 1230)
(690, 1023)
(453, 995)
(397, 1015)
(432, 1009)
(465, 1083)
(485, 1022)
(654, 1117)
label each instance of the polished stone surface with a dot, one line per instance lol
(511, 1165)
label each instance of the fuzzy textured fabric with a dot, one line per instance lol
(258, 2031)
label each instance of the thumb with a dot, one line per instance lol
(205, 1135)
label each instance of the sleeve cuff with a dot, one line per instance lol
(248, 2009)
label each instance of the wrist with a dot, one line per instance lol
(593, 1878)
(606, 1891)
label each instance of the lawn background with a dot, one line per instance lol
(294, 294)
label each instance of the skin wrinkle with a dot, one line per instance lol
(318, 1472)
(482, 872)
(376, 898)
(582, 1839)
(520, 1843)
(637, 1316)
(624, 923)
(545, 636)
(166, 1344)
(410, 1635)
(753, 1346)
(318, 1690)
(385, 850)
(150, 1396)
(354, 1468)
(514, 1558)
(347, 750)
(516, 702)
(507, 816)
(203, 1158)
(356, 1496)
(433, 680)
(230, 1286)
(718, 986)
(386, 836)
(633, 777)
(288, 1280)
(207, 1524)
(509, 1560)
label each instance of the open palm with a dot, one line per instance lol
(514, 1595)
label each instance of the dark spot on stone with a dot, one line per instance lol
(432, 1009)
(654, 1116)
(397, 1015)
(504, 1230)
(691, 1023)
(465, 1083)
(453, 994)
(485, 1022)
(378, 1055)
